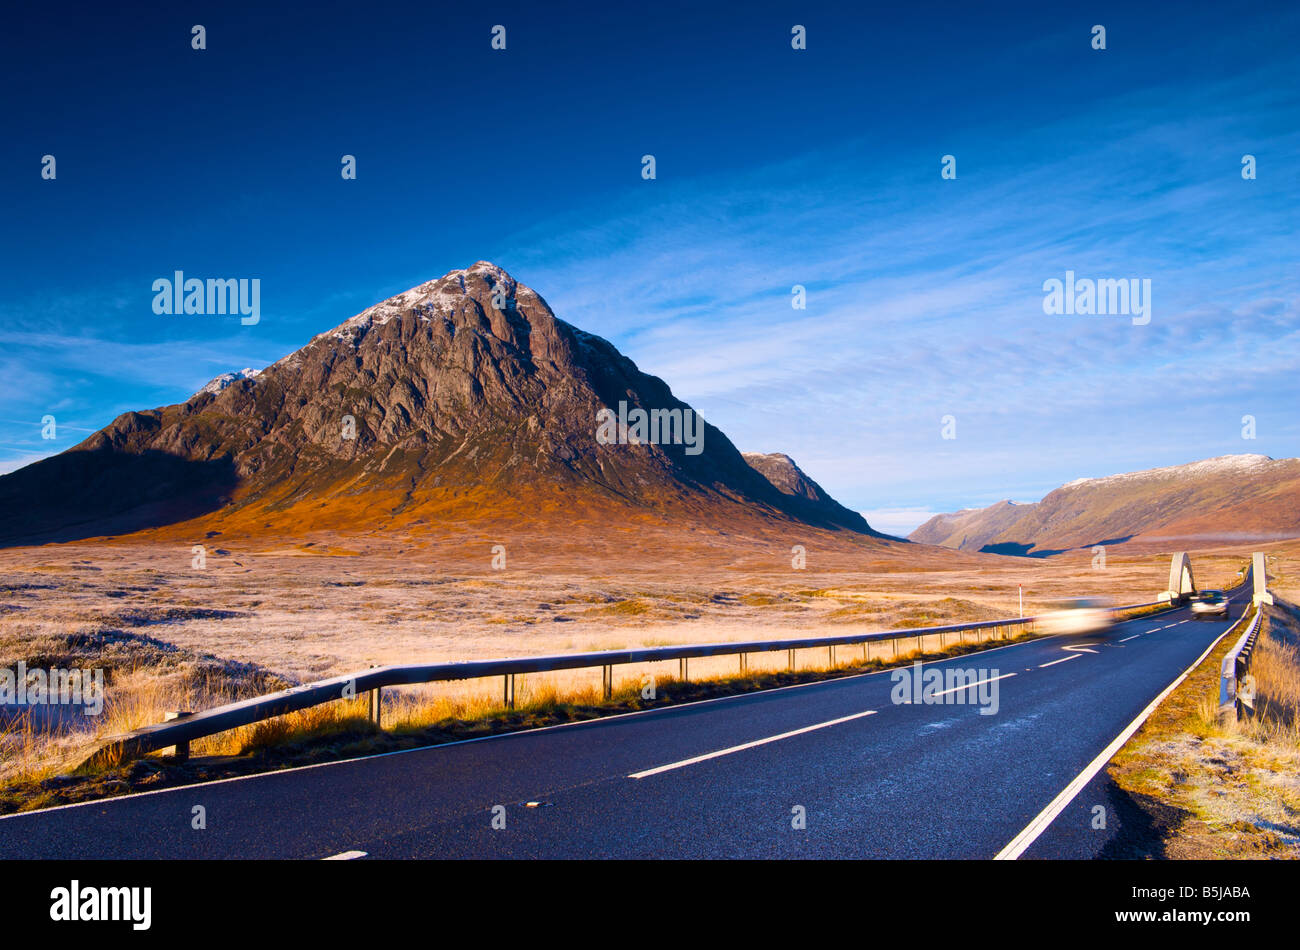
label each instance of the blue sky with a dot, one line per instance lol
(775, 167)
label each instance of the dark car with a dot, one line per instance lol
(1210, 603)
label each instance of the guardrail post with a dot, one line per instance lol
(832, 655)
(1246, 694)
(509, 690)
(681, 670)
(607, 680)
(374, 704)
(182, 749)
(792, 661)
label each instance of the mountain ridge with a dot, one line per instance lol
(1225, 498)
(464, 398)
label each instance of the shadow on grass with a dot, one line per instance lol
(1146, 825)
(87, 493)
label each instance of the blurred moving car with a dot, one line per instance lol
(1080, 616)
(1210, 603)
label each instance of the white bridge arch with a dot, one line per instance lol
(1181, 582)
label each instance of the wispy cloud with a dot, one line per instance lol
(924, 296)
(925, 299)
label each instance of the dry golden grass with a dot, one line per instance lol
(140, 696)
(1235, 787)
(264, 615)
(1275, 667)
(422, 716)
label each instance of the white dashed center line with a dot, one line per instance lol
(957, 689)
(748, 745)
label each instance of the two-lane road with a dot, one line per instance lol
(830, 769)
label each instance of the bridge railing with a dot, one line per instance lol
(185, 728)
(1236, 685)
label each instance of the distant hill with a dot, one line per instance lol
(804, 493)
(971, 528)
(1224, 499)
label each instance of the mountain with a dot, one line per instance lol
(225, 379)
(802, 491)
(463, 399)
(1224, 499)
(971, 528)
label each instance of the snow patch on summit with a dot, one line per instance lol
(445, 294)
(226, 379)
(1219, 465)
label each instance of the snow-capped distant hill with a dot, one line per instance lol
(1223, 499)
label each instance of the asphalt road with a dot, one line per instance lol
(870, 777)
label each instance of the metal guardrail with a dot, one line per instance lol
(187, 727)
(1236, 685)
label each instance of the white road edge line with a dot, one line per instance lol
(1016, 847)
(1072, 656)
(747, 745)
(345, 856)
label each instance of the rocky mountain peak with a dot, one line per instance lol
(464, 396)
